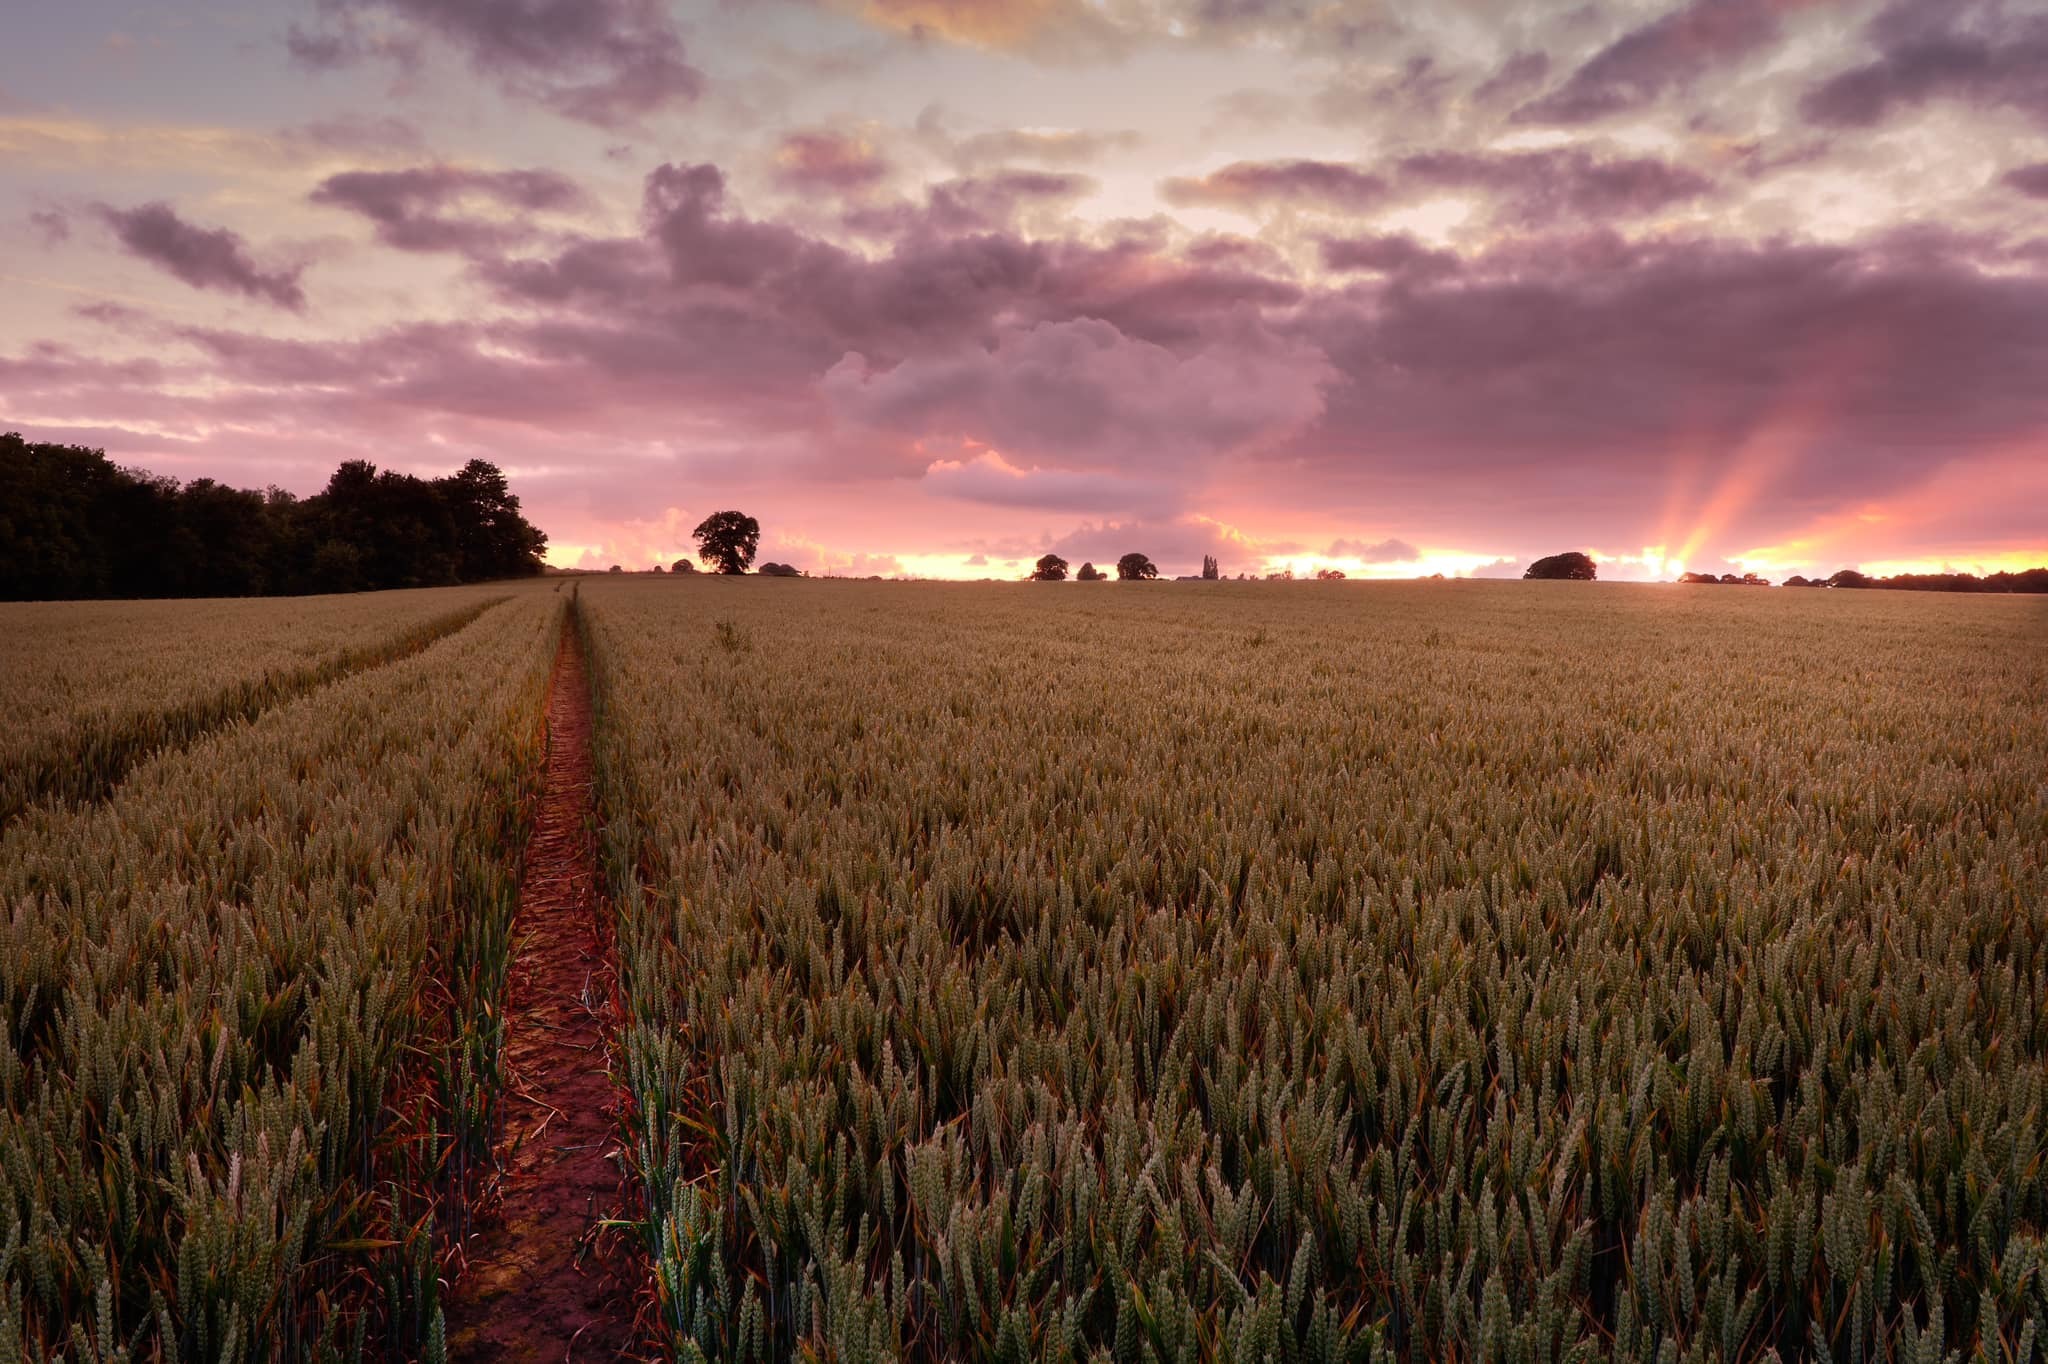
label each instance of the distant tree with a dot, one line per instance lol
(1755, 580)
(1849, 577)
(1569, 567)
(1209, 573)
(1050, 569)
(682, 566)
(1796, 580)
(1136, 567)
(1730, 578)
(775, 570)
(615, 569)
(727, 540)
(1699, 578)
(1329, 575)
(1090, 574)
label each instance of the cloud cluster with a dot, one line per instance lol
(411, 210)
(1662, 57)
(1976, 52)
(611, 63)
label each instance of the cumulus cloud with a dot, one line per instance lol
(205, 258)
(410, 209)
(611, 63)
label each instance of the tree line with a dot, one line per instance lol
(73, 524)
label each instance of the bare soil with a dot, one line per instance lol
(546, 1279)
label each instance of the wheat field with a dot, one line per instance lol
(1134, 972)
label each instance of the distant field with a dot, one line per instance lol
(1161, 971)
(1457, 970)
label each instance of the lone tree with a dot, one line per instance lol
(682, 566)
(1208, 568)
(728, 539)
(1135, 567)
(1090, 574)
(1571, 567)
(775, 570)
(1051, 569)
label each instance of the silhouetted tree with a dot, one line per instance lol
(1699, 578)
(1090, 574)
(682, 566)
(1050, 569)
(1849, 577)
(72, 524)
(615, 569)
(775, 570)
(1569, 567)
(1209, 573)
(1329, 575)
(1136, 567)
(728, 540)
(1797, 580)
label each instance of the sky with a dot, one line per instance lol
(933, 287)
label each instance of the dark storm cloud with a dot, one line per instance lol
(205, 258)
(1987, 55)
(1660, 58)
(2029, 180)
(410, 208)
(610, 63)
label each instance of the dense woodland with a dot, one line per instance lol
(74, 524)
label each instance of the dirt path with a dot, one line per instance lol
(544, 1282)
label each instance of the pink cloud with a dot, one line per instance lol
(1082, 392)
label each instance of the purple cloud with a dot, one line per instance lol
(1665, 55)
(1979, 54)
(1387, 254)
(611, 63)
(205, 258)
(408, 207)
(1055, 391)
(2028, 180)
(1250, 185)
